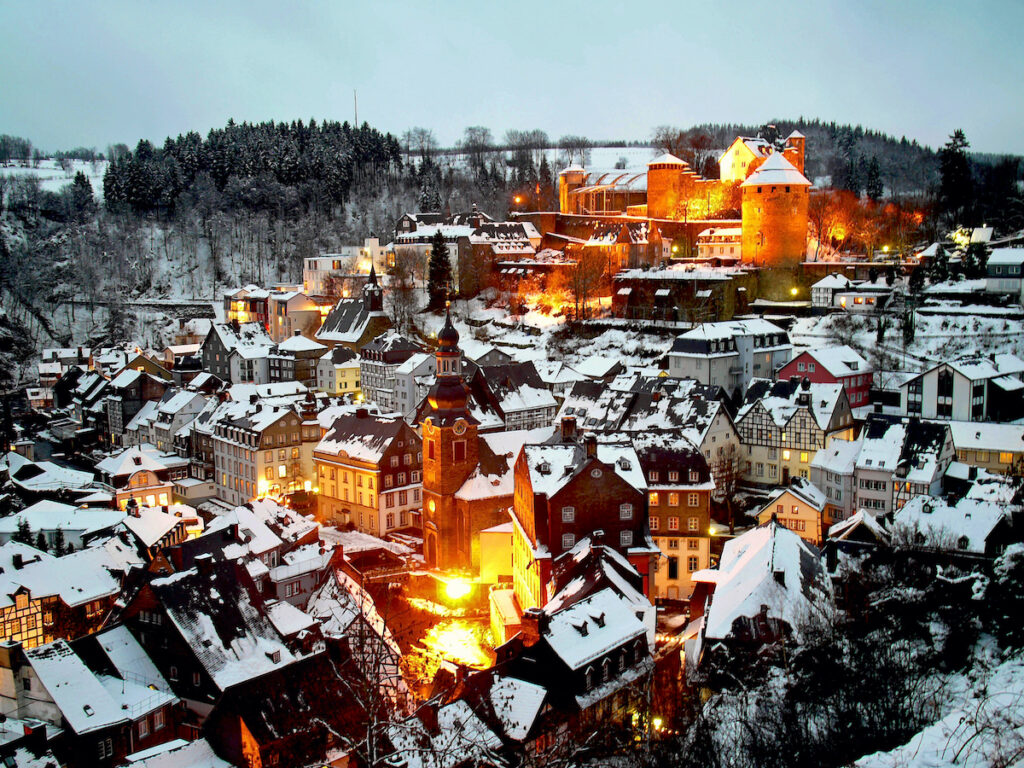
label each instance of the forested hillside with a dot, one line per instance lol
(247, 202)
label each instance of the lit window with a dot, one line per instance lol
(785, 455)
(653, 498)
(693, 500)
(673, 523)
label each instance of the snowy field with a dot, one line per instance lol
(53, 178)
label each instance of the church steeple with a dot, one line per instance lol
(449, 395)
(373, 296)
(449, 356)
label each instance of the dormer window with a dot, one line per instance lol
(653, 475)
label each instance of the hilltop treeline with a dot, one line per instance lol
(264, 166)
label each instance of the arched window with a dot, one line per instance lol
(589, 682)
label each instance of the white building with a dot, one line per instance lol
(969, 389)
(729, 354)
(349, 260)
(1005, 269)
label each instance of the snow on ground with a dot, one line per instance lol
(52, 178)
(535, 336)
(938, 337)
(984, 727)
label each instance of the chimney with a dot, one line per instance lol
(534, 624)
(204, 563)
(17, 561)
(877, 407)
(590, 444)
(362, 413)
(297, 333)
(780, 576)
(568, 429)
(253, 399)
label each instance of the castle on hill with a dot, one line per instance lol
(766, 184)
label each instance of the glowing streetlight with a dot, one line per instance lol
(517, 199)
(793, 291)
(456, 589)
(712, 531)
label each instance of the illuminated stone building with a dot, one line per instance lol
(763, 181)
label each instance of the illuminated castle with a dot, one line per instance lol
(766, 184)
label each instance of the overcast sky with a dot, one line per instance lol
(90, 74)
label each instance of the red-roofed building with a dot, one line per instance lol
(833, 365)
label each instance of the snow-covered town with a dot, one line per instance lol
(324, 445)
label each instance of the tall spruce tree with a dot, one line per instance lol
(956, 187)
(439, 272)
(873, 182)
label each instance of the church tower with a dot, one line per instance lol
(373, 296)
(450, 455)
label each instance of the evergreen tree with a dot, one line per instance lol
(23, 534)
(890, 275)
(938, 269)
(82, 201)
(956, 186)
(439, 272)
(59, 544)
(975, 261)
(41, 544)
(873, 182)
(916, 281)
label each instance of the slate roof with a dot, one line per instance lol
(215, 610)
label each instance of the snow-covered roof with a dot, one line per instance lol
(151, 523)
(987, 436)
(517, 704)
(1006, 257)
(130, 659)
(845, 528)
(596, 366)
(834, 280)
(48, 515)
(964, 526)
(666, 158)
(766, 566)
(299, 343)
(839, 456)
(218, 618)
(781, 400)
(86, 700)
(361, 436)
(840, 361)
(592, 627)
(177, 754)
(802, 490)
(776, 169)
(135, 459)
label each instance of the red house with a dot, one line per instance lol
(833, 365)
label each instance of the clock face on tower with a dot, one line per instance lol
(460, 427)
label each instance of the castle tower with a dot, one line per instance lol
(775, 199)
(796, 145)
(569, 181)
(665, 186)
(450, 454)
(373, 296)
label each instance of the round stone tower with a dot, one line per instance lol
(665, 186)
(775, 199)
(569, 180)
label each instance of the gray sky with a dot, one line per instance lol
(75, 73)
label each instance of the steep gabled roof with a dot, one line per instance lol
(214, 609)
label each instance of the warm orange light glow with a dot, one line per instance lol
(456, 641)
(456, 589)
(518, 199)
